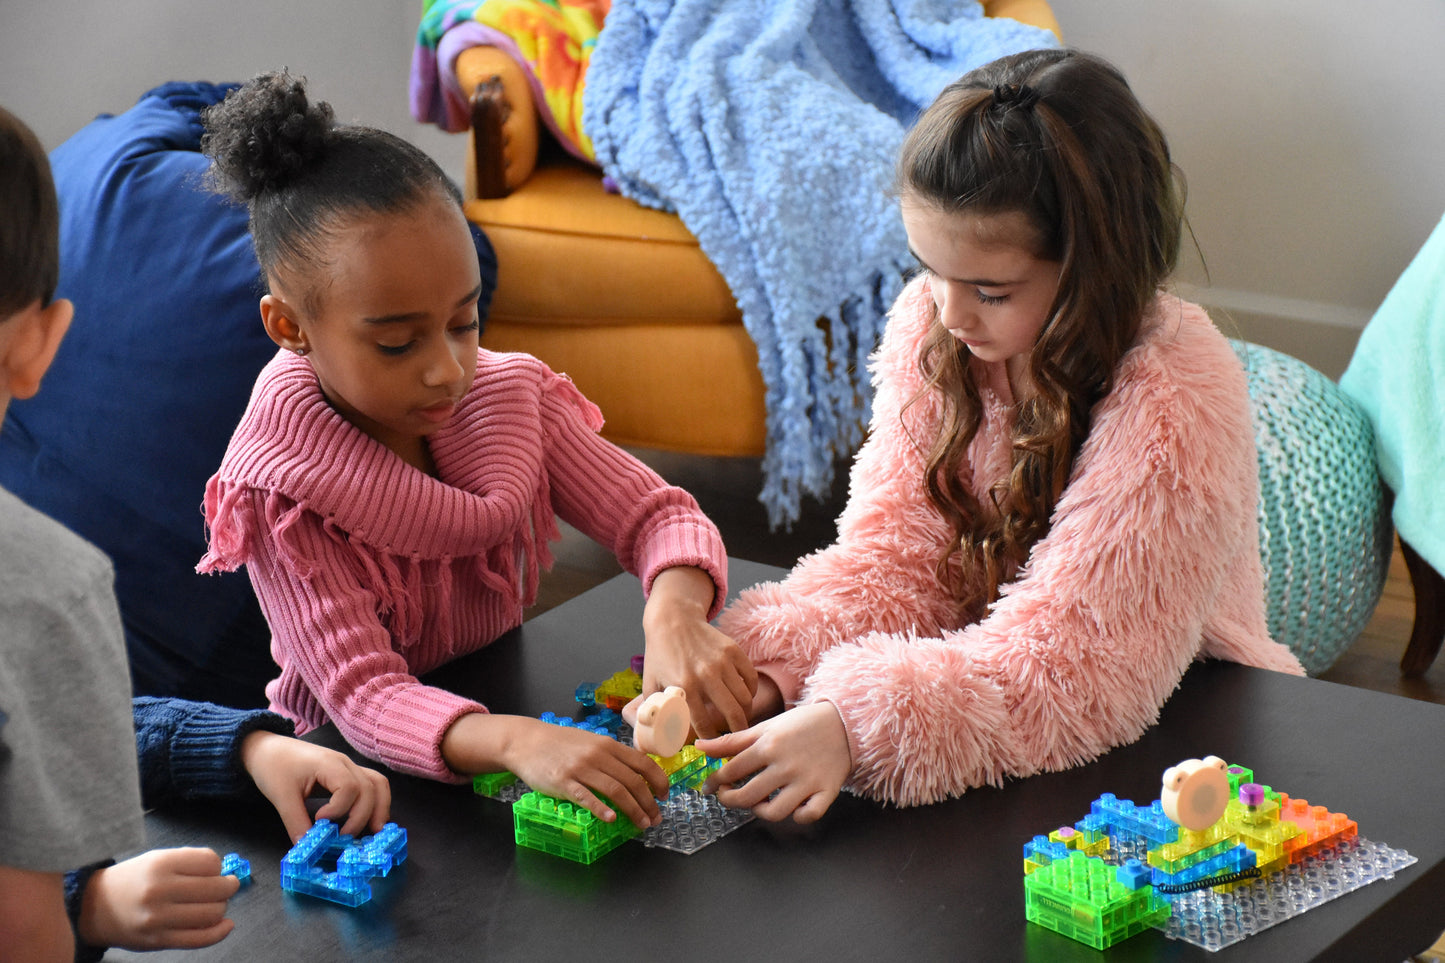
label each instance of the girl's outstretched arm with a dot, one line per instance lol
(879, 576)
(339, 661)
(198, 751)
(659, 534)
(685, 651)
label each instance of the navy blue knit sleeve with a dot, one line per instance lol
(191, 750)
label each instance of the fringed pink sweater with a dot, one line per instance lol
(1152, 561)
(371, 572)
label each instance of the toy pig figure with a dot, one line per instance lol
(663, 722)
(1195, 792)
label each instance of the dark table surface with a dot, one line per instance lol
(941, 882)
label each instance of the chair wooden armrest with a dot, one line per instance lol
(505, 127)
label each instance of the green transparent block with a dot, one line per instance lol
(491, 783)
(1082, 898)
(565, 829)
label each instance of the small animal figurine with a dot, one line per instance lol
(663, 723)
(1195, 792)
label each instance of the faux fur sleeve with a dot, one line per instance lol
(1084, 647)
(879, 574)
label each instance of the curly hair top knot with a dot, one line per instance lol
(265, 134)
(305, 179)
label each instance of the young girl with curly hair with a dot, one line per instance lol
(1055, 510)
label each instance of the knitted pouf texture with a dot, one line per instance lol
(1325, 536)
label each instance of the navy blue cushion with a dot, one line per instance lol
(136, 411)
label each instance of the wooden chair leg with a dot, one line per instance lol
(1429, 629)
(489, 110)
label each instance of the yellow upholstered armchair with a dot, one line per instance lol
(618, 296)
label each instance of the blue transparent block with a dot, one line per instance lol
(357, 861)
(233, 865)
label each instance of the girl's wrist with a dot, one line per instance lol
(679, 594)
(768, 700)
(253, 746)
(480, 742)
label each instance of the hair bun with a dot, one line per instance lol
(264, 134)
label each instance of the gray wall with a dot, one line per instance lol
(64, 61)
(1309, 130)
(1313, 141)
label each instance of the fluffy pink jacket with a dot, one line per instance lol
(1152, 561)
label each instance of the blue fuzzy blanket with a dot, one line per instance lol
(771, 127)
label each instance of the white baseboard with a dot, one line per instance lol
(1320, 334)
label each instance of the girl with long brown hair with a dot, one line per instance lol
(1054, 512)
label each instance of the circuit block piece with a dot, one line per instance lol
(1319, 828)
(1090, 844)
(619, 689)
(604, 722)
(233, 865)
(686, 769)
(565, 829)
(691, 820)
(1254, 819)
(1083, 898)
(491, 783)
(357, 861)
(1133, 874)
(1122, 816)
(1041, 851)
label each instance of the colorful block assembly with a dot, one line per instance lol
(1123, 868)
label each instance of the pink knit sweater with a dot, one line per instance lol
(1152, 560)
(371, 573)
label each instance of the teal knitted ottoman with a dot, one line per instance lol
(1324, 528)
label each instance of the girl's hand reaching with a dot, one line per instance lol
(581, 766)
(801, 755)
(287, 770)
(566, 763)
(163, 899)
(685, 651)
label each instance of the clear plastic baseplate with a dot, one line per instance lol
(1213, 920)
(690, 820)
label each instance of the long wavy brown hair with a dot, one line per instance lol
(1059, 136)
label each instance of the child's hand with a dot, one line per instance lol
(802, 755)
(286, 770)
(685, 651)
(578, 765)
(163, 899)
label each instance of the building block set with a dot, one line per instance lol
(1217, 858)
(690, 820)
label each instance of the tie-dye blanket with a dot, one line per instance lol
(552, 39)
